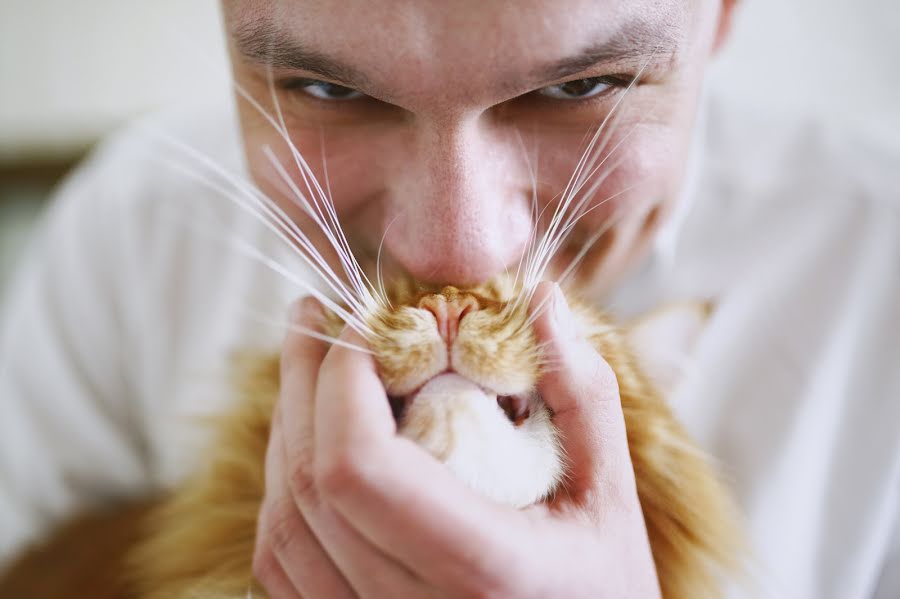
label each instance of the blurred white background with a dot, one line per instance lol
(72, 71)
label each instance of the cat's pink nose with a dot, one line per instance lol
(448, 312)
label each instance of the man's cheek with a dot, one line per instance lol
(642, 161)
(346, 172)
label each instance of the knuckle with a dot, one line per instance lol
(489, 586)
(339, 475)
(265, 567)
(279, 528)
(493, 577)
(301, 480)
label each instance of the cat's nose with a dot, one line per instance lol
(448, 312)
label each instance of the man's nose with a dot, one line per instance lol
(462, 201)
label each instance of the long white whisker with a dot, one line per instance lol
(535, 314)
(250, 251)
(283, 324)
(606, 226)
(378, 260)
(281, 229)
(350, 319)
(614, 220)
(588, 194)
(552, 246)
(332, 230)
(551, 241)
(304, 240)
(526, 256)
(573, 218)
(586, 164)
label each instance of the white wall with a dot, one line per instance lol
(838, 58)
(71, 70)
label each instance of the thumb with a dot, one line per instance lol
(581, 389)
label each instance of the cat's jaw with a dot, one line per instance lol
(462, 425)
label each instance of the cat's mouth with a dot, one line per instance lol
(517, 408)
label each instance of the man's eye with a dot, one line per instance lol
(579, 89)
(323, 90)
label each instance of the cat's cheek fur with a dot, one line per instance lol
(463, 427)
(411, 355)
(503, 362)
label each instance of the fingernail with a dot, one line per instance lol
(562, 315)
(302, 309)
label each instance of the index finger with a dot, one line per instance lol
(301, 357)
(583, 392)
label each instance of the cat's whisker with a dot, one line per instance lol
(334, 232)
(281, 129)
(308, 245)
(579, 212)
(383, 297)
(270, 205)
(323, 269)
(576, 213)
(570, 226)
(296, 328)
(252, 201)
(378, 260)
(280, 229)
(535, 313)
(349, 318)
(615, 219)
(552, 247)
(250, 251)
(554, 236)
(320, 219)
(589, 156)
(533, 233)
(575, 181)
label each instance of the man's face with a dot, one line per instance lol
(444, 119)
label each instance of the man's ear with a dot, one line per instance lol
(663, 341)
(723, 28)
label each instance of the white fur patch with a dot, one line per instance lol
(462, 425)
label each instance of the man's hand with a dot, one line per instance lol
(352, 509)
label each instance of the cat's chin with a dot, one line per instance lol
(513, 461)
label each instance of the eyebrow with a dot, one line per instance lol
(635, 45)
(266, 44)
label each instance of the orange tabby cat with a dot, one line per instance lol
(461, 368)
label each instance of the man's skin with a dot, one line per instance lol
(458, 104)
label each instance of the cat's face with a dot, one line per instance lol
(461, 369)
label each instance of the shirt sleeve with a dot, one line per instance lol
(888, 586)
(69, 436)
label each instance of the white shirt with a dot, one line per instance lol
(120, 325)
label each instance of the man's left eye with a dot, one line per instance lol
(579, 89)
(324, 90)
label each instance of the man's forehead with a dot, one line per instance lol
(501, 46)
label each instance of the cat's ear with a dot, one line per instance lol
(663, 340)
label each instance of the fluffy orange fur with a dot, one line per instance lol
(199, 542)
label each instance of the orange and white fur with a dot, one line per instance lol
(461, 368)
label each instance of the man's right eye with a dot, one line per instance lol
(323, 90)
